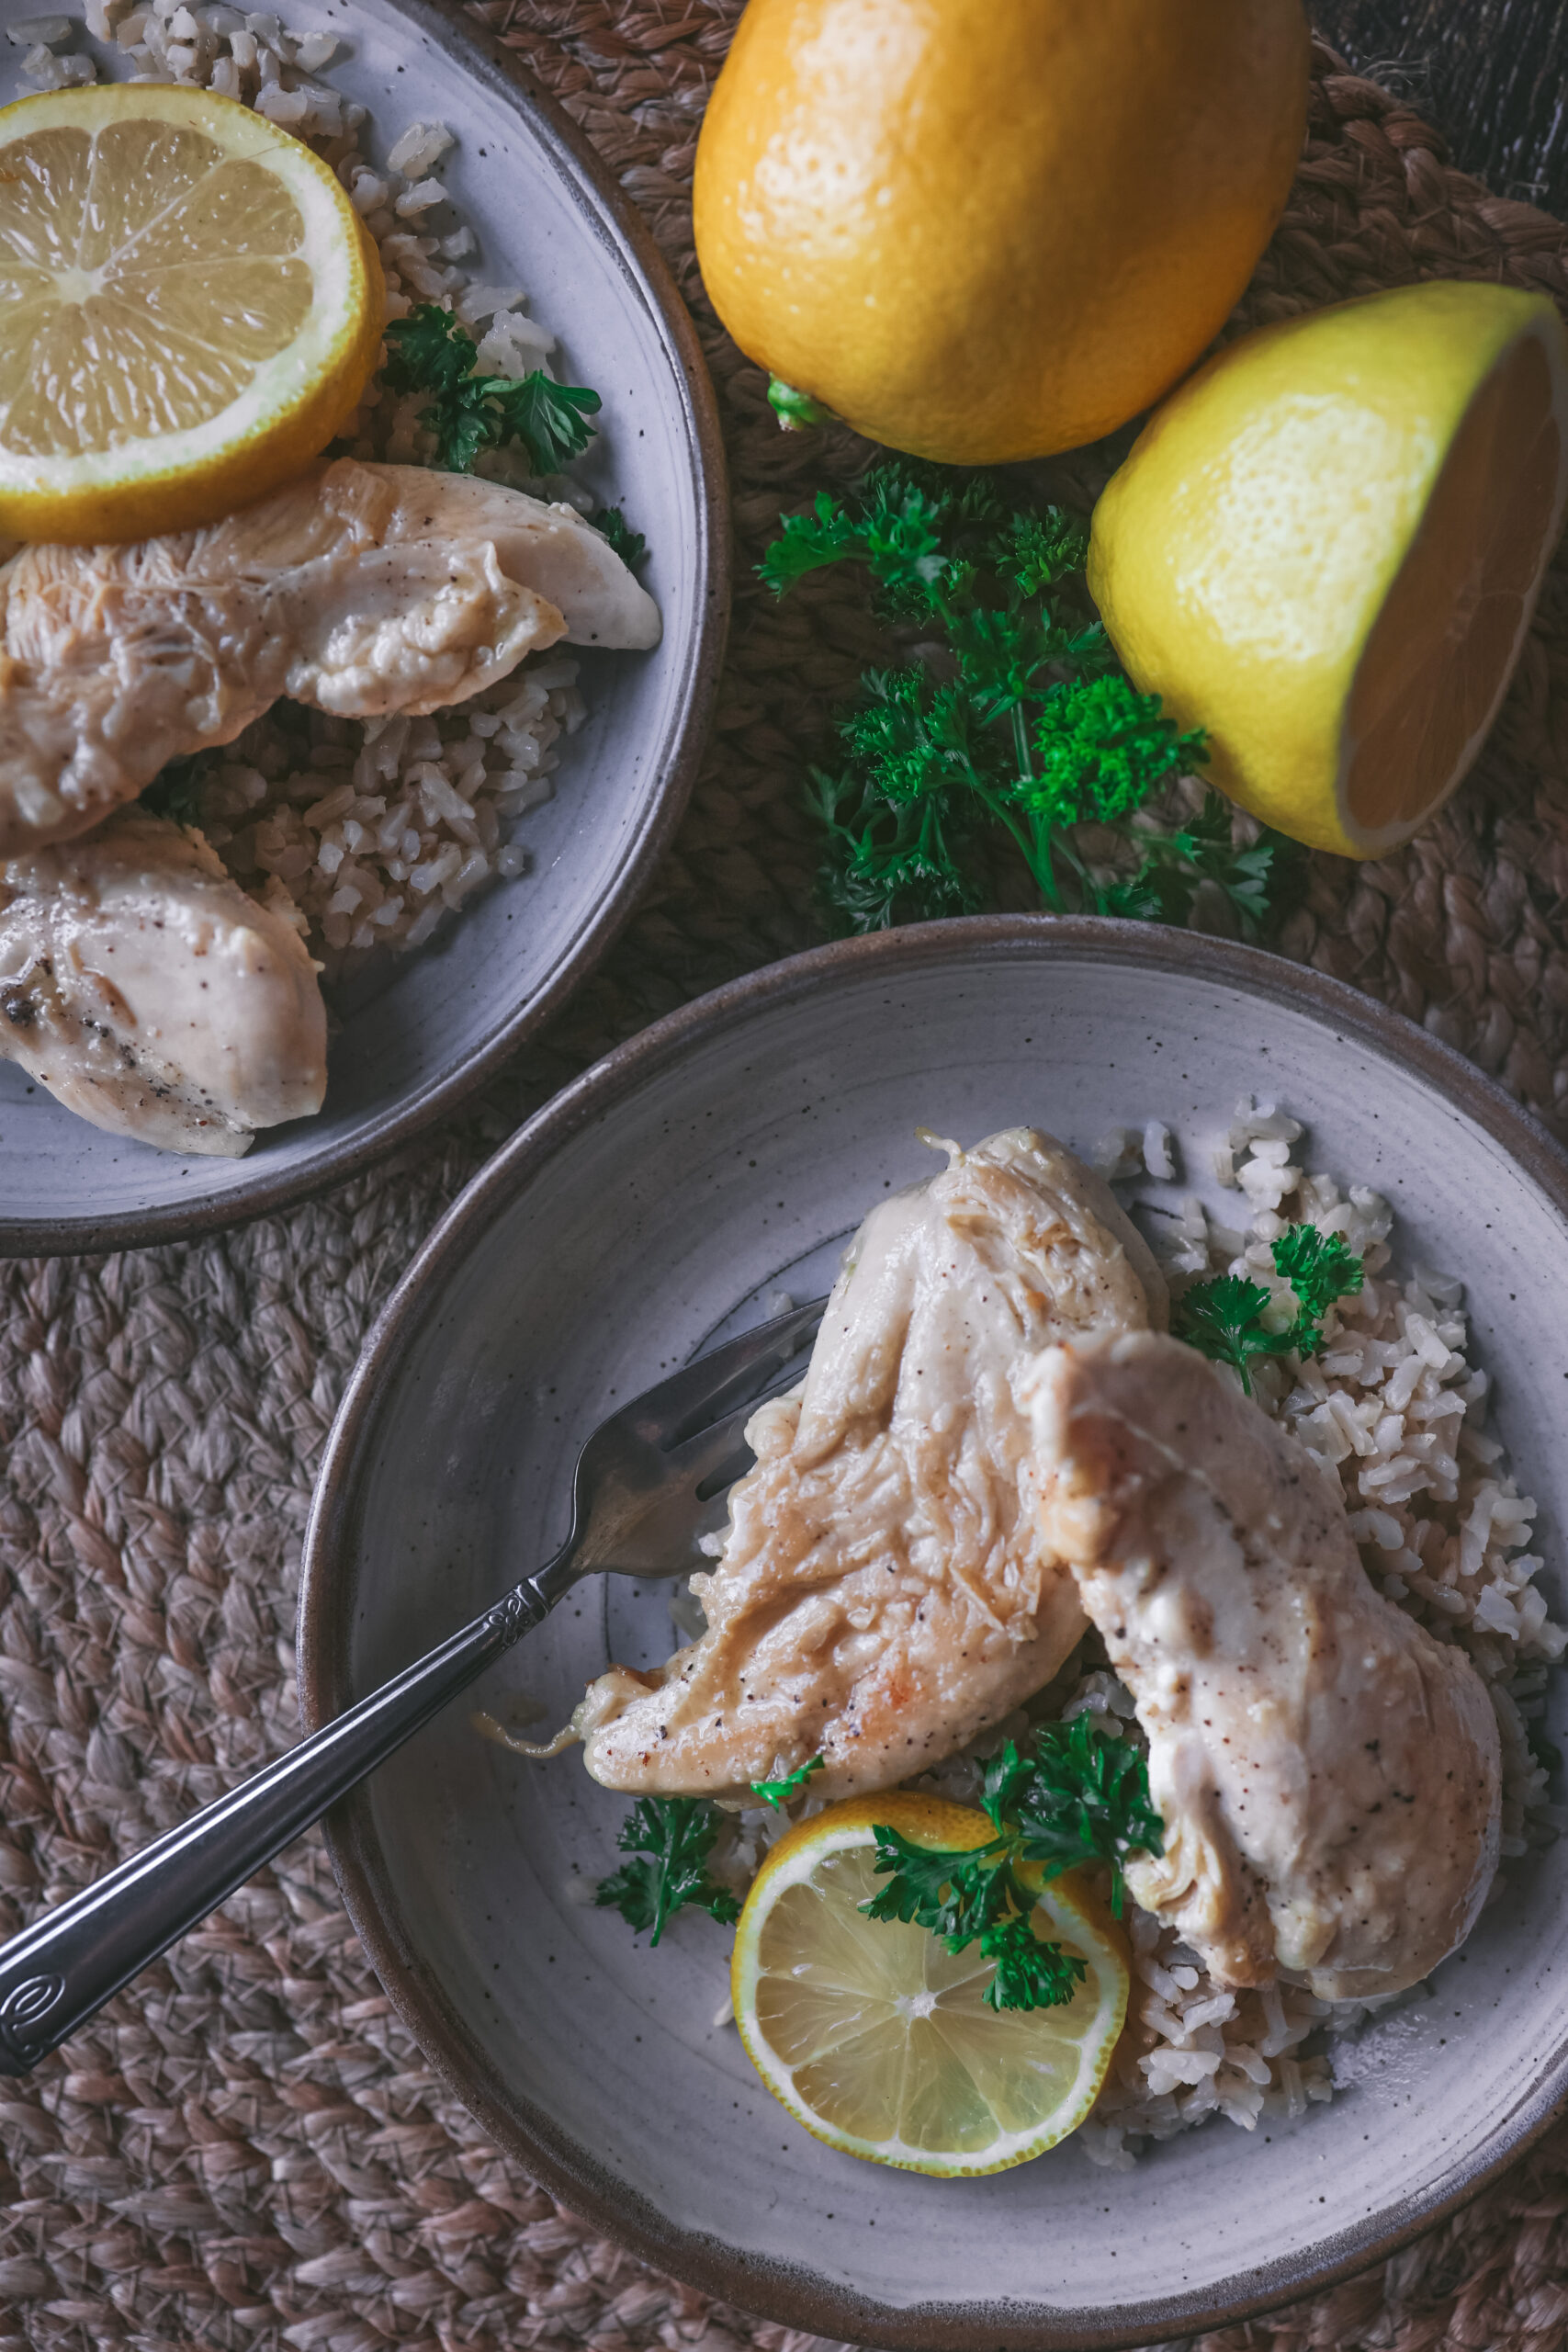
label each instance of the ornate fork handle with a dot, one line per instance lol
(59, 1972)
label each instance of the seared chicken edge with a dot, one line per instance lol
(883, 1594)
(362, 589)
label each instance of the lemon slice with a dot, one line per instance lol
(879, 2040)
(1325, 548)
(188, 309)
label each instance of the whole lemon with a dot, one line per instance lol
(984, 230)
(1326, 547)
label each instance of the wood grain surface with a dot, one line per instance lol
(1492, 74)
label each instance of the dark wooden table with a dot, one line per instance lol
(1492, 75)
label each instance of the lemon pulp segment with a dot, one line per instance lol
(890, 2040)
(188, 309)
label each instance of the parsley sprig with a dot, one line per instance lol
(1014, 717)
(778, 1793)
(1078, 1794)
(1222, 1319)
(629, 545)
(1082, 1796)
(676, 1836)
(978, 1896)
(429, 352)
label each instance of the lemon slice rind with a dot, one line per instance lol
(1068, 1912)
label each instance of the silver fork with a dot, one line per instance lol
(642, 1487)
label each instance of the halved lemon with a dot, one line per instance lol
(189, 308)
(1325, 548)
(879, 2040)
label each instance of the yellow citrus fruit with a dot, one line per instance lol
(188, 309)
(982, 230)
(878, 2039)
(1326, 547)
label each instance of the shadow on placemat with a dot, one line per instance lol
(248, 2152)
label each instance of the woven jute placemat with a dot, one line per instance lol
(246, 2151)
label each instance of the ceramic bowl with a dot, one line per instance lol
(422, 1029)
(723, 1154)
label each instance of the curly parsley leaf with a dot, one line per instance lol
(629, 545)
(1036, 550)
(676, 1834)
(1103, 749)
(1175, 867)
(809, 542)
(429, 352)
(778, 1792)
(1010, 720)
(549, 419)
(892, 858)
(975, 1896)
(895, 529)
(1032, 1974)
(953, 1892)
(1082, 1795)
(1320, 1268)
(1076, 1795)
(1222, 1319)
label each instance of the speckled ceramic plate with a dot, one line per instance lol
(725, 1152)
(423, 1029)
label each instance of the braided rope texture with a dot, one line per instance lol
(246, 2151)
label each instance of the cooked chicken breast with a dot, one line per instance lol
(1327, 1773)
(883, 1593)
(147, 992)
(359, 590)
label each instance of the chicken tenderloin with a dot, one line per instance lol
(1328, 1772)
(883, 1595)
(361, 589)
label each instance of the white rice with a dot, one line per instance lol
(1395, 1407)
(370, 832)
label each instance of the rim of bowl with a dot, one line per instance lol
(792, 2294)
(614, 220)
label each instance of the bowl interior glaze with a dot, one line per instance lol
(420, 1029)
(724, 1154)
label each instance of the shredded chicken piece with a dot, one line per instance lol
(359, 589)
(141, 986)
(1328, 1774)
(883, 1594)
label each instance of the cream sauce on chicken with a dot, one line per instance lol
(147, 992)
(1328, 1774)
(360, 590)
